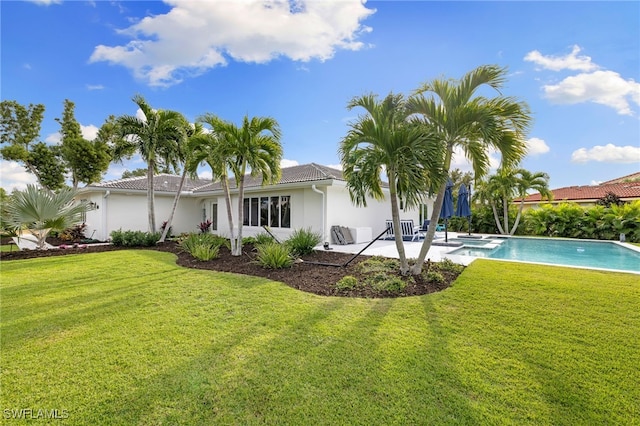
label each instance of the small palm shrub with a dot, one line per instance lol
(302, 241)
(203, 246)
(205, 252)
(134, 238)
(274, 256)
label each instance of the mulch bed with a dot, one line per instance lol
(304, 275)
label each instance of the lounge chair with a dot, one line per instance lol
(409, 232)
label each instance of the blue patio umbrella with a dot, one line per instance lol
(463, 209)
(447, 207)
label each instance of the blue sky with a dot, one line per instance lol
(577, 65)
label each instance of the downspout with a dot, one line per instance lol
(324, 226)
(104, 216)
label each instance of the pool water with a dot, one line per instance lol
(590, 254)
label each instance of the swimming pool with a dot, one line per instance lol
(589, 254)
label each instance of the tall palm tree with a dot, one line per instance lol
(155, 137)
(460, 118)
(526, 180)
(255, 147)
(212, 148)
(385, 140)
(181, 157)
(40, 212)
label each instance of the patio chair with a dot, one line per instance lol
(409, 232)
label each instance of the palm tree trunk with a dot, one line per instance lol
(395, 217)
(227, 200)
(416, 269)
(505, 213)
(515, 225)
(238, 246)
(173, 209)
(150, 204)
(496, 217)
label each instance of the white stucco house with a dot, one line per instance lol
(307, 196)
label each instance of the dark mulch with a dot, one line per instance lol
(306, 275)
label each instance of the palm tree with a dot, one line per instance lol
(182, 156)
(525, 180)
(155, 137)
(476, 124)
(40, 211)
(211, 147)
(385, 140)
(254, 147)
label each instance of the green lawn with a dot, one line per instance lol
(128, 337)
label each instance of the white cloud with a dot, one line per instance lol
(195, 36)
(607, 154)
(45, 2)
(140, 115)
(288, 163)
(14, 176)
(601, 87)
(459, 161)
(536, 146)
(205, 175)
(557, 63)
(89, 132)
(335, 166)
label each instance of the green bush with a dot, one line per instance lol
(348, 282)
(448, 265)
(382, 281)
(435, 277)
(205, 252)
(274, 256)
(379, 264)
(302, 241)
(203, 246)
(134, 238)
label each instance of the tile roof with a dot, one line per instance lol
(633, 177)
(625, 191)
(169, 183)
(161, 183)
(304, 173)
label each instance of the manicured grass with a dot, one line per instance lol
(8, 247)
(128, 337)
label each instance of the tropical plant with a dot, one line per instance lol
(274, 256)
(609, 199)
(39, 212)
(476, 124)
(181, 155)
(384, 140)
(302, 241)
(155, 137)
(134, 238)
(254, 146)
(205, 226)
(504, 187)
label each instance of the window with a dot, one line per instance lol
(272, 211)
(214, 216)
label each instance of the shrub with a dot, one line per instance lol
(205, 252)
(204, 226)
(435, 277)
(302, 241)
(348, 282)
(382, 281)
(449, 266)
(75, 233)
(274, 256)
(379, 264)
(134, 238)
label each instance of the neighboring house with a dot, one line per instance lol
(627, 188)
(307, 196)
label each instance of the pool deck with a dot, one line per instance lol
(387, 248)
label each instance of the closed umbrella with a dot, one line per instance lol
(447, 207)
(463, 209)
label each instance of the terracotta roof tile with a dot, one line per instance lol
(626, 191)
